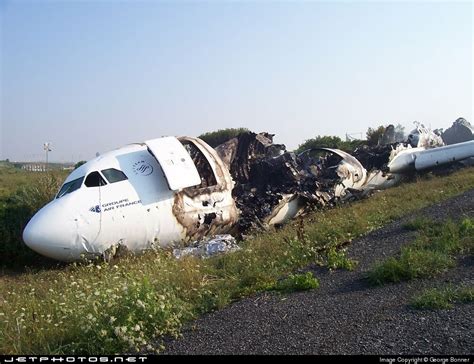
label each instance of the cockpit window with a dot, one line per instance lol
(94, 179)
(70, 187)
(114, 175)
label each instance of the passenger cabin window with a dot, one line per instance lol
(114, 175)
(202, 165)
(70, 187)
(94, 179)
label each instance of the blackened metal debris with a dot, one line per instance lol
(267, 175)
(376, 157)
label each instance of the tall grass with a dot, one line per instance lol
(12, 179)
(15, 211)
(101, 308)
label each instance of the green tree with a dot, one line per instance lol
(215, 138)
(328, 141)
(374, 135)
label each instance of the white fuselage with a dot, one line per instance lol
(421, 158)
(138, 212)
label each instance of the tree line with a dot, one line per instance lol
(373, 137)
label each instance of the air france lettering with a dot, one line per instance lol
(114, 205)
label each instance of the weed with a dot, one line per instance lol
(443, 298)
(412, 263)
(338, 260)
(297, 282)
(430, 254)
(417, 223)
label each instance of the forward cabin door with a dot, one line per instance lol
(201, 185)
(178, 167)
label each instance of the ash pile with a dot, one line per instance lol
(272, 183)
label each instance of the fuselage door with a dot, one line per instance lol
(175, 161)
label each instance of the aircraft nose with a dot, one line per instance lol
(52, 234)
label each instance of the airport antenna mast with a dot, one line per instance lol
(47, 148)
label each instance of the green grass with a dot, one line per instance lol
(417, 223)
(443, 298)
(412, 263)
(105, 309)
(432, 253)
(18, 207)
(12, 179)
(296, 282)
(337, 259)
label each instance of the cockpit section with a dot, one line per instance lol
(168, 189)
(69, 187)
(114, 175)
(93, 179)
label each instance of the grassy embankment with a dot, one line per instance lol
(101, 308)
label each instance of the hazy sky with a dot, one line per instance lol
(93, 76)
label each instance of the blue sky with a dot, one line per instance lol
(93, 76)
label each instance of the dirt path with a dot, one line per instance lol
(345, 315)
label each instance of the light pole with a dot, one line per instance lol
(47, 148)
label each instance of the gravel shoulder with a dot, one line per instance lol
(346, 315)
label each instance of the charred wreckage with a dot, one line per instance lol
(274, 185)
(178, 191)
